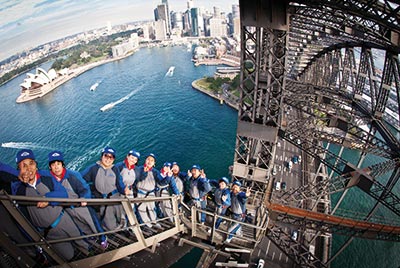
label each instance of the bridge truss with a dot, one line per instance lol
(336, 64)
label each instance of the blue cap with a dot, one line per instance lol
(167, 164)
(134, 153)
(152, 155)
(108, 150)
(174, 163)
(237, 183)
(56, 156)
(24, 154)
(195, 167)
(224, 179)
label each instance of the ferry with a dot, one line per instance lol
(39, 84)
(94, 86)
(170, 71)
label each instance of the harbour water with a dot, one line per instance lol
(150, 112)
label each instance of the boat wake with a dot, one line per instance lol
(23, 145)
(112, 104)
(77, 162)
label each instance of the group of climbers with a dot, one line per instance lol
(107, 180)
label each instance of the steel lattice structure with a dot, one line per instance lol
(336, 63)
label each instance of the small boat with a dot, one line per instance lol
(107, 107)
(170, 71)
(94, 86)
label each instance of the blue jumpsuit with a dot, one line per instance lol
(106, 183)
(165, 185)
(146, 184)
(220, 205)
(198, 189)
(238, 207)
(85, 217)
(51, 220)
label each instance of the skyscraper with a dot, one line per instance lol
(235, 11)
(167, 19)
(190, 4)
(218, 27)
(217, 12)
(162, 14)
(194, 12)
(176, 20)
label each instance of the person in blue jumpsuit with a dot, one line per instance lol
(84, 216)
(179, 176)
(166, 186)
(8, 225)
(105, 181)
(222, 199)
(238, 207)
(48, 217)
(128, 170)
(146, 185)
(199, 186)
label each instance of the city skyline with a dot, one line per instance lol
(27, 24)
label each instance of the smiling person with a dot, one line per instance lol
(146, 187)
(48, 217)
(199, 186)
(167, 186)
(105, 181)
(238, 207)
(128, 170)
(222, 199)
(84, 216)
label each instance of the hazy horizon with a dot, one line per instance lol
(27, 24)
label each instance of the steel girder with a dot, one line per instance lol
(262, 84)
(295, 250)
(368, 231)
(329, 120)
(321, 49)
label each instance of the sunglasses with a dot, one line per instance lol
(108, 156)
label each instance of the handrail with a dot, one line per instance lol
(123, 247)
(258, 233)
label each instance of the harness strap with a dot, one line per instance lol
(54, 224)
(110, 194)
(146, 195)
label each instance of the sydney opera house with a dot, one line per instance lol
(42, 82)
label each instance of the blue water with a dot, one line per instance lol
(154, 113)
(163, 115)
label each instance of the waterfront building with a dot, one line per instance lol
(235, 11)
(161, 13)
(39, 84)
(236, 28)
(217, 12)
(177, 20)
(160, 30)
(187, 22)
(168, 17)
(126, 47)
(146, 35)
(197, 22)
(190, 4)
(217, 27)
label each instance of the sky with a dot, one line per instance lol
(26, 24)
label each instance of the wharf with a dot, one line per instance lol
(218, 97)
